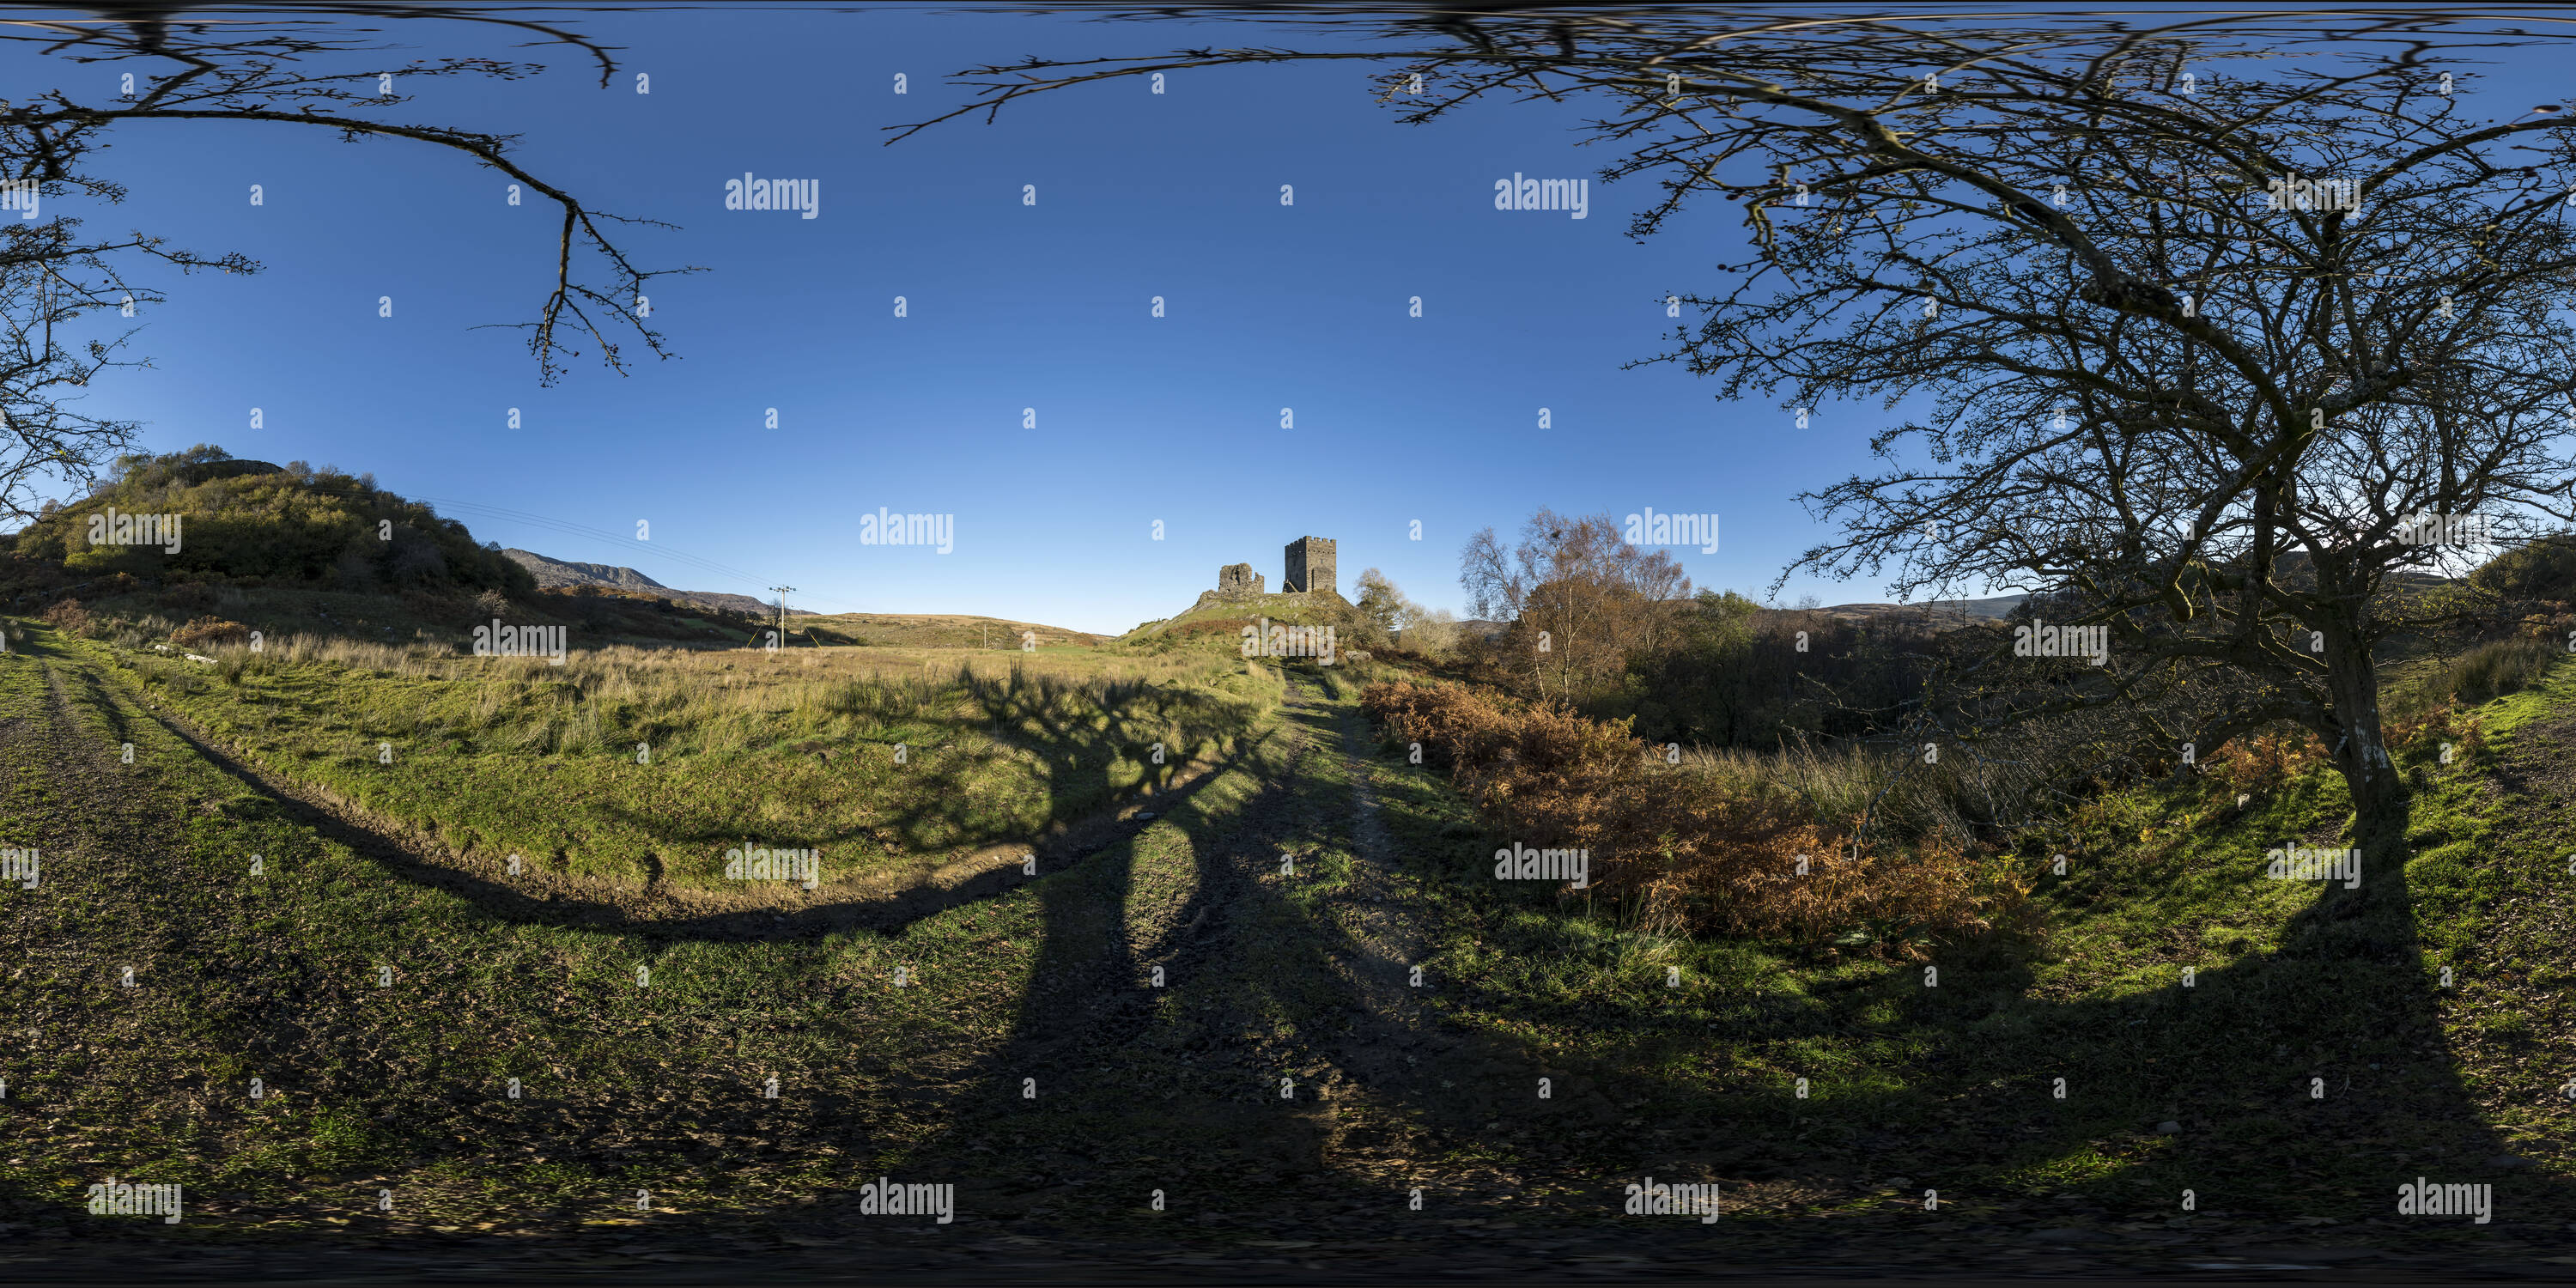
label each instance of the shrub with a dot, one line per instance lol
(2494, 669)
(1689, 843)
(206, 632)
(68, 616)
(2263, 761)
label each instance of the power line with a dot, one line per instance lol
(783, 592)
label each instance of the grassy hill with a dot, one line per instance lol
(936, 630)
(249, 522)
(1223, 617)
(292, 550)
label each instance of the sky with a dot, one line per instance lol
(1029, 392)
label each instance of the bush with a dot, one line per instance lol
(205, 632)
(68, 616)
(2543, 570)
(2494, 669)
(1695, 845)
(2263, 761)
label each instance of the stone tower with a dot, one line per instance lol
(1310, 565)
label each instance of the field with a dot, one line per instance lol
(641, 769)
(941, 630)
(1201, 1037)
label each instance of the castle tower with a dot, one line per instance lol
(1310, 565)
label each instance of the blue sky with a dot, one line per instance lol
(1012, 306)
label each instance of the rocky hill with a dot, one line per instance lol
(552, 573)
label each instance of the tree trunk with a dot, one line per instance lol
(2380, 800)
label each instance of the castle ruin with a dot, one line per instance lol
(1239, 579)
(1310, 565)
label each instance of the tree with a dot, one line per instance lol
(2223, 325)
(1581, 601)
(230, 67)
(1434, 633)
(1383, 605)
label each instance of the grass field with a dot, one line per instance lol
(647, 766)
(1285, 1084)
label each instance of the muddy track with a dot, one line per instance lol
(659, 910)
(102, 835)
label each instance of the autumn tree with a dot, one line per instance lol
(1580, 600)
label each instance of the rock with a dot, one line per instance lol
(2508, 1161)
(2169, 1128)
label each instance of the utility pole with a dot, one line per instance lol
(782, 592)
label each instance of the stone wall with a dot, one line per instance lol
(1239, 579)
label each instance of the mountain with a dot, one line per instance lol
(1935, 613)
(551, 573)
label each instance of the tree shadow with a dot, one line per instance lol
(1278, 1054)
(2311, 1080)
(537, 901)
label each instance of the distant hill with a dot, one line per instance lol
(553, 573)
(1940, 613)
(1934, 613)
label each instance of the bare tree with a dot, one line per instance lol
(2226, 323)
(151, 64)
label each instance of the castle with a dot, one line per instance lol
(1310, 566)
